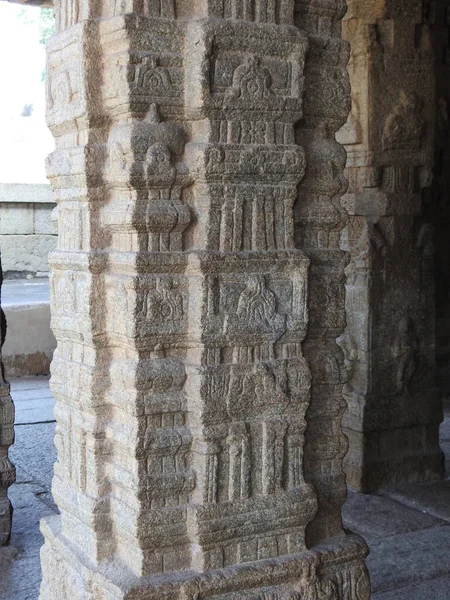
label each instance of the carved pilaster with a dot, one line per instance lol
(393, 407)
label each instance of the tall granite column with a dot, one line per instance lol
(7, 470)
(394, 409)
(182, 292)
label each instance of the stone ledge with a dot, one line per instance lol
(28, 193)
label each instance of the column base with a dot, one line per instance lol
(332, 571)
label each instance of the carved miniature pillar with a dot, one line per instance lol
(393, 407)
(181, 303)
(7, 470)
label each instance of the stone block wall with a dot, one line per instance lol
(27, 232)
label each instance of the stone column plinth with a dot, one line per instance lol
(394, 409)
(188, 303)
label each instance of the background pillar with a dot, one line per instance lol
(394, 409)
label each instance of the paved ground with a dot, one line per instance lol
(407, 527)
(17, 292)
(33, 454)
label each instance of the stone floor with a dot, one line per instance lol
(33, 454)
(407, 527)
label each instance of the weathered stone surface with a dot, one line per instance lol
(26, 210)
(29, 348)
(43, 222)
(27, 253)
(197, 292)
(20, 576)
(16, 219)
(7, 470)
(394, 409)
(432, 497)
(401, 560)
(34, 453)
(437, 589)
(377, 517)
(40, 193)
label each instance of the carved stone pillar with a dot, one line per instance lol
(7, 470)
(181, 303)
(394, 410)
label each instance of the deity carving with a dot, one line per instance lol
(405, 352)
(256, 309)
(240, 461)
(404, 126)
(255, 390)
(351, 354)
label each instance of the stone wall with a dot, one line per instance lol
(198, 289)
(394, 407)
(27, 233)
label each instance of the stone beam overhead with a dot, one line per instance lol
(197, 291)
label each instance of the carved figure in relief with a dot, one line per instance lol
(350, 350)
(240, 462)
(255, 391)
(371, 239)
(213, 452)
(298, 378)
(257, 302)
(256, 310)
(60, 90)
(404, 126)
(405, 350)
(166, 305)
(295, 442)
(251, 81)
(159, 165)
